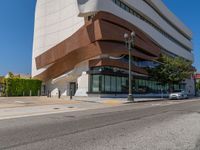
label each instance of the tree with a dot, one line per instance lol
(171, 70)
(1, 79)
(2, 87)
(11, 75)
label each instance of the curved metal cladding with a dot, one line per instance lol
(103, 35)
(152, 17)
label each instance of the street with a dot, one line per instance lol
(160, 127)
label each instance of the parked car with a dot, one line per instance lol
(178, 94)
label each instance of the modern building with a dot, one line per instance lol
(197, 77)
(79, 46)
(197, 81)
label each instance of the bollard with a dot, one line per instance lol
(70, 93)
(30, 93)
(48, 94)
(38, 92)
(59, 94)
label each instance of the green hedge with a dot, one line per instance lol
(198, 85)
(22, 87)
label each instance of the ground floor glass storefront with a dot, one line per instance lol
(106, 82)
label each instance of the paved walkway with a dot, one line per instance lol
(18, 112)
(15, 107)
(13, 102)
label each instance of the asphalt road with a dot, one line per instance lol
(120, 128)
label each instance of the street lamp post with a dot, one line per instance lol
(129, 40)
(195, 83)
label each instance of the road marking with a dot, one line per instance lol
(21, 102)
(39, 114)
(155, 104)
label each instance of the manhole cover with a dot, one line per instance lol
(70, 116)
(71, 107)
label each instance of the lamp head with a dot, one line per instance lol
(132, 34)
(126, 35)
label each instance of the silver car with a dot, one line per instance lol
(178, 94)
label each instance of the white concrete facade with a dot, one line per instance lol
(56, 20)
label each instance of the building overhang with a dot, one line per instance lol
(104, 34)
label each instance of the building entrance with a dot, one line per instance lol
(72, 88)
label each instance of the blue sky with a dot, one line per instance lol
(188, 11)
(16, 34)
(17, 23)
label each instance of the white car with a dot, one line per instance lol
(179, 94)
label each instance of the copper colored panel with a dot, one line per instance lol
(68, 62)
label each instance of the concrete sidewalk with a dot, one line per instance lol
(18, 112)
(24, 107)
(13, 102)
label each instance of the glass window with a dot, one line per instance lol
(113, 84)
(107, 84)
(123, 6)
(95, 83)
(102, 83)
(151, 86)
(131, 11)
(118, 2)
(119, 84)
(127, 8)
(176, 87)
(136, 86)
(142, 86)
(124, 84)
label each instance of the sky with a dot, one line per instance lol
(17, 24)
(16, 35)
